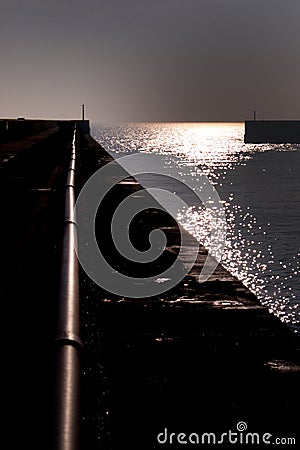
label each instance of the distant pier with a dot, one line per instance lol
(272, 132)
(197, 358)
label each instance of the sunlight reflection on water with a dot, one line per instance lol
(260, 189)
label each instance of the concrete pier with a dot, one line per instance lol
(197, 359)
(32, 179)
(272, 132)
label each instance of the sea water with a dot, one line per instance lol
(259, 186)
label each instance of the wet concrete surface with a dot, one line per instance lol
(31, 187)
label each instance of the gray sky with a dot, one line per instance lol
(158, 60)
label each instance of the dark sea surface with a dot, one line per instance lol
(259, 186)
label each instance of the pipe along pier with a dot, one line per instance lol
(100, 371)
(67, 337)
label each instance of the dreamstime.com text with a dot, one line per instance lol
(238, 436)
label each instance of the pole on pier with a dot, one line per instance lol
(68, 342)
(254, 114)
(82, 109)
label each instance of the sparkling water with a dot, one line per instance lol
(260, 189)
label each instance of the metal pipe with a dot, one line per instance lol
(68, 328)
(67, 435)
(71, 178)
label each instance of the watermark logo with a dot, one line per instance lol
(93, 193)
(238, 436)
(241, 426)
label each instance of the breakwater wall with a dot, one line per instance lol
(272, 131)
(11, 129)
(14, 129)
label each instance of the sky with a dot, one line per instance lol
(158, 60)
